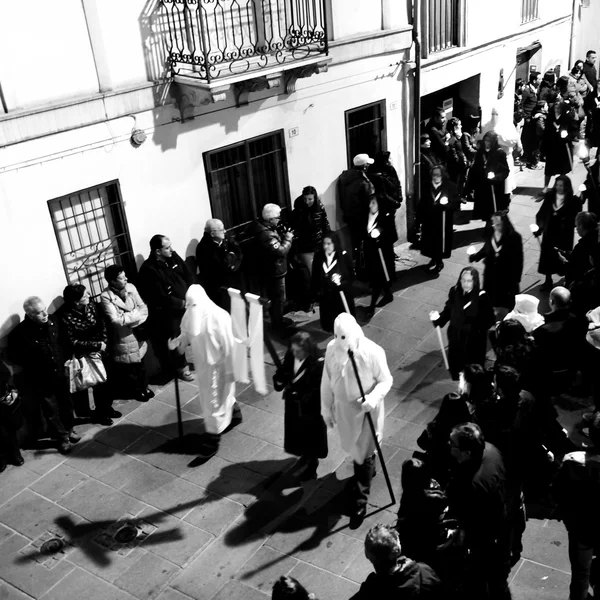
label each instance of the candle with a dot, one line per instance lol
(563, 133)
(434, 315)
(582, 187)
(534, 228)
(443, 200)
(375, 233)
(491, 175)
(471, 250)
(583, 152)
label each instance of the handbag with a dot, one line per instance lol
(85, 372)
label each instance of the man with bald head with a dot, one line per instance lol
(218, 258)
(560, 341)
(34, 345)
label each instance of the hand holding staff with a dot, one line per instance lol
(375, 234)
(491, 176)
(535, 230)
(434, 315)
(337, 281)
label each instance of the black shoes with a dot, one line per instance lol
(17, 459)
(73, 437)
(102, 419)
(357, 517)
(387, 299)
(144, 395)
(64, 447)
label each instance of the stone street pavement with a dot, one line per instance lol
(138, 518)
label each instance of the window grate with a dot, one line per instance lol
(529, 11)
(91, 231)
(365, 130)
(242, 178)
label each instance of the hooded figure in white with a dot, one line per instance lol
(341, 403)
(526, 312)
(207, 329)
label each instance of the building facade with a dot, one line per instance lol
(125, 119)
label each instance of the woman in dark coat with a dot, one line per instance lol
(436, 216)
(502, 253)
(310, 223)
(579, 262)
(556, 222)
(486, 178)
(332, 274)
(85, 333)
(470, 314)
(380, 233)
(305, 433)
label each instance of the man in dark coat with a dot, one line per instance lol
(163, 282)
(560, 341)
(476, 495)
(576, 490)
(34, 345)
(272, 249)
(436, 128)
(355, 191)
(396, 576)
(218, 258)
(11, 420)
(528, 103)
(591, 74)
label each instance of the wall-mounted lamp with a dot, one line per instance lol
(501, 84)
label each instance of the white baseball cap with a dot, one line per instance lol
(362, 159)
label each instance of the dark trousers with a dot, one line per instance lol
(9, 445)
(161, 329)
(377, 289)
(488, 571)
(127, 380)
(584, 568)
(103, 400)
(361, 482)
(275, 292)
(58, 412)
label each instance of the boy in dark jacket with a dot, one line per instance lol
(395, 575)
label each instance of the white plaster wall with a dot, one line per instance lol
(586, 30)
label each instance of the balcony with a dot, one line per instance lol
(441, 25)
(245, 44)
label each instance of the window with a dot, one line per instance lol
(529, 10)
(441, 25)
(244, 177)
(92, 233)
(365, 130)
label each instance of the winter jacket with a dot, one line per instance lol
(124, 316)
(271, 250)
(310, 223)
(438, 141)
(530, 99)
(411, 581)
(354, 191)
(85, 330)
(163, 285)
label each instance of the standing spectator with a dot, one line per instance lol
(477, 495)
(518, 104)
(385, 179)
(502, 253)
(396, 576)
(332, 274)
(576, 490)
(355, 190)
(526, 312)
(11, 420)
(581, 87)
(288, 588)
(578, 262)
(470, 314)
(219, 258)
(163, 280)
(528, 104)
(34, 345)
(379, 231)
(457, 160)
(428, 158)
(125, 313)
(486, 178)
(436, 128)
(436, 209)
(305, 434)
(85, 333)
(539, 118)
(310, 224)
(556, 222)
(272, 248)
(547, 91)
(590, 104)
(342, 405)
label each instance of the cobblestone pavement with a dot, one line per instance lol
(138, 519)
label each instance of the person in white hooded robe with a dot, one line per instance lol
(342, 406)
(207, 329)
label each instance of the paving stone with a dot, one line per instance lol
(426, 295)
(138, 478)
(324, 584)
(5, 533)
(271, 403)
(403, 306)
(270, 459)
(397, 346)
(162, 418)
(236, 590)
(534, 581)
(97, 502)
(236, 446)
(394, 462)
(359, 569)
(96, 460)
(265, 568)
(415, 410)
(175, 540)
(121, 435)
(401, 433)
(546, 545)
(187, 392)
(147, 577)
(214, 514)
(15, 480)
(41, 461)
(58, 482)
(22, 572)
(413, 370)
(433, 392)
(31, 514)
(171, 594)
(79, 584)
(8, 592)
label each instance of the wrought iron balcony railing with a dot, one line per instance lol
(216, 39)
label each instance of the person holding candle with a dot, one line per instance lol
(556, 225)
(486, 178)
(470, 314)
(435, 213)
(503, 256)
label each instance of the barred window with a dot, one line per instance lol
(529, 10)
(365, 130)
(242, 178)
(91, 231)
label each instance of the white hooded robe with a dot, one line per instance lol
(340, 395)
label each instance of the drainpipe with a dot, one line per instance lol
(576, 4)
(411, 210)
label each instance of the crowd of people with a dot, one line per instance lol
(495, 443)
